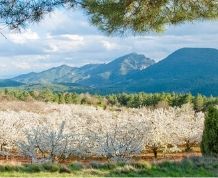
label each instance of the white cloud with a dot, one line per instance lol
(110, 45)
(73, 37)
(63, 43)
(67, 38)
(24, 37)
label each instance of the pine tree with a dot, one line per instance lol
(113, 16)
(209, 144)
(61, 98)
(198, 102)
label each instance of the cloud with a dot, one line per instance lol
(21, 38)
(67, 38)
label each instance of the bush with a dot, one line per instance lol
(2, 168)
(10, 168)
(33, 168)
(76, 166)
(99, 165)
(209, 144)
(51, 167)
(96, 165)
(141, 165)
(64, 169)
(125, 170)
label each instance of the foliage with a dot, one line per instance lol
(133, 100)
(147, 15)
(113, 16)
(209, 143)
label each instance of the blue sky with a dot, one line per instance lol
(66, 37)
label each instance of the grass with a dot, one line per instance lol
(193, 167)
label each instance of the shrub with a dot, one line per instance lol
(96, 165)
(2, 168)
(125, 170)
(51, 167)
(209, 144)
(99, 165)
(64, 169)
(32, 168)
(141, 165)
(76, 166)
(9, 168)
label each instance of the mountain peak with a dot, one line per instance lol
(63, 66)
(132, 57)
(130, 62)
(195, 49)
(190, 51)
(132, 54)
(194, 54)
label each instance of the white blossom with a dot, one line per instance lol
(115, 134)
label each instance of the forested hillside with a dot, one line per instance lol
(136, 100)
(186, 70)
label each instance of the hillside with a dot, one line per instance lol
(64, 73)
(10, 83)
(186, 70)
(91, 74)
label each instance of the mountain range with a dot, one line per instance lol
(192, 70)
(95, 75)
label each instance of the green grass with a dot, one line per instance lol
(193, 167)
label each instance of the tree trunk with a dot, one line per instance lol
(155, 152)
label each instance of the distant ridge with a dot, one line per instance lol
(97, 73)
(186, 70)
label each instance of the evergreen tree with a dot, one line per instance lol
(113, 16)
(46, 95)
(198, 102)
(61, 98)
(209, 144)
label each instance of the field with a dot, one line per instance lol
(85, 140)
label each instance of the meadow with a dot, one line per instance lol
(195, 166)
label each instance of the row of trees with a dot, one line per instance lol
(161, 100)
(84, 131)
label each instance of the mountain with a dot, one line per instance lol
(91, 74)
(186, 70)
(192, 70)
(116, 70)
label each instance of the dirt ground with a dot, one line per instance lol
(18, 160)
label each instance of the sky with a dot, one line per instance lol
(66, 37)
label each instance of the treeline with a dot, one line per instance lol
(136, 100)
